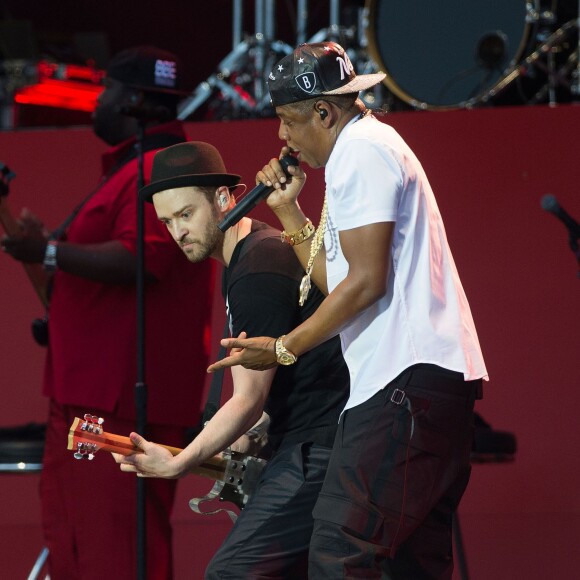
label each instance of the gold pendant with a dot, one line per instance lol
(304, 289)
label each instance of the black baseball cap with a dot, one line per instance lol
(314, 70)
(147, 68)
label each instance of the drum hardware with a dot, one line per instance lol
(498, 37)
(376, 97)
(437, 64)
(344, 35)
(353, 39)
(464, 56)
(491, 49)
(334, 31)
(238, 89)
(546, 20)
(45, 83)
(240, 82)
(491, 55)
(535, 14)
(489, 446)
(558, 77)
(21, 451)
(575, 86)
(15, 74)
(555, 76)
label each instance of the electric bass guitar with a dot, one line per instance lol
(35, 272)
(235, 474)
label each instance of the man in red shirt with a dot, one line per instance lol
(88, 509)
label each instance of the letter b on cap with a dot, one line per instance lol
(306, 81)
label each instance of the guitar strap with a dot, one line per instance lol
(215, 389)
(159, 141)
(39, 326)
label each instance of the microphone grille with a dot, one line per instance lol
(550, 203)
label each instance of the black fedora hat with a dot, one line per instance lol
(193, 163)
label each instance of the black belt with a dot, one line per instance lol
(439, 379)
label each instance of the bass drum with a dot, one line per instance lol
(451, 54)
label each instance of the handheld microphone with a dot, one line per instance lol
(260, 192)
(550, 203)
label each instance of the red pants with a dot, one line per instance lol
(89, 507)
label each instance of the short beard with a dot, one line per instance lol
(204, 249)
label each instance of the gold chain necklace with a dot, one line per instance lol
(317, 241)
(315, 246)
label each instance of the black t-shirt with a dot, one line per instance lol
(261, 288)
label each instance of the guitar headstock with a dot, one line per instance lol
(86, 436)
(6, 176)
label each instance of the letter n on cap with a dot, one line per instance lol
(306, 81)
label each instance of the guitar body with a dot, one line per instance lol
(235, 474)
(35, 272)
(239, 482)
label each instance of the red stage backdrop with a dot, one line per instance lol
(489, 169)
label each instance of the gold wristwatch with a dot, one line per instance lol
(284, 356)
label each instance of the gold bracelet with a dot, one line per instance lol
(299, 236)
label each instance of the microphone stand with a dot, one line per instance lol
(141, 386)
(142, 114)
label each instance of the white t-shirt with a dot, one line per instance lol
(372, 176)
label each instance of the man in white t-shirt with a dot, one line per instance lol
(400, 461)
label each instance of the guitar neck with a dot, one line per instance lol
(35, 272)
(214, 468)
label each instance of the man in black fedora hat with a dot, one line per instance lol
(89, 511)
(192, 193)
(400, 463)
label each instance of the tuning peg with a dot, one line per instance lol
(92, 423)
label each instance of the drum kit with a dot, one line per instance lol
(458, 54)
(436, 55)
